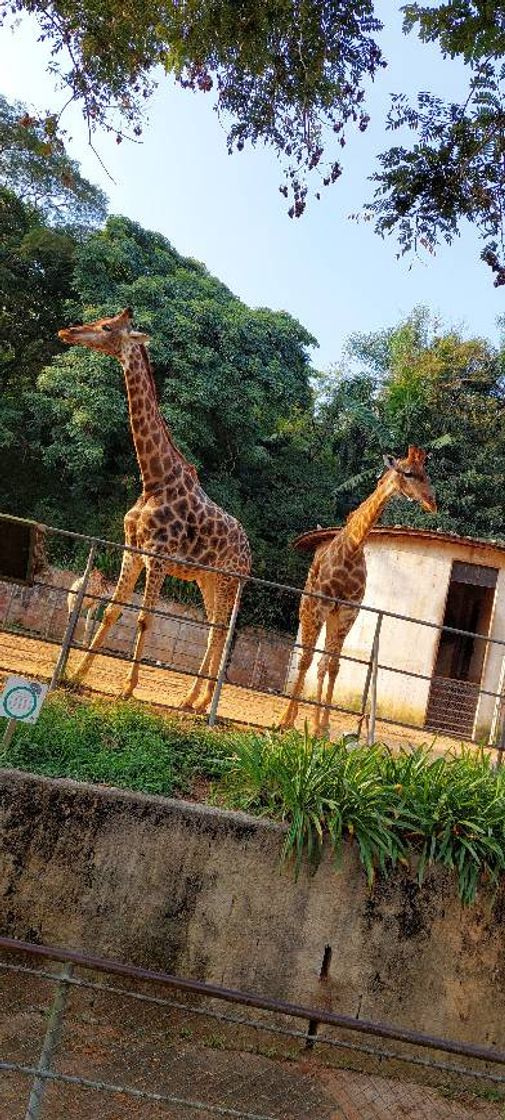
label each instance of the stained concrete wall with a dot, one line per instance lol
(189, 889)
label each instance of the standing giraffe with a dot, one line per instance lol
(339, 571)
(173, 516)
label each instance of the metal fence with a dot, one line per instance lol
(444, 716)
(357, 1041)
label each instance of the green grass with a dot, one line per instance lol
(116, 744)
(405, 807)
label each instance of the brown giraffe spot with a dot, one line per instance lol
(155, 466)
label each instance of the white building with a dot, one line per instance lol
(442, 579)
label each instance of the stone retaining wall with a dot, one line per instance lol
(192, 890)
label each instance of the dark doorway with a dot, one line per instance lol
(460, 658)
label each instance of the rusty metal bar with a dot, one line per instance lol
(261, 1025)
(373, 681)
(272, 583)
(59, 668)
(225, 657)
(250, 999)
(50, 1044)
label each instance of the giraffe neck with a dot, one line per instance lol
(157, 454)
(363, 519)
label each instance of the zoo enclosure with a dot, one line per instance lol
(278, 1019)
(371, 669)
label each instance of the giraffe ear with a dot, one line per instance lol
(391, 462)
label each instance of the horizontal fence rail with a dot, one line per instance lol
(208, 994)
(451, 718)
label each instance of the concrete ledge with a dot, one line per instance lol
(190, 889)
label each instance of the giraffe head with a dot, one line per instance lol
(109, 336)
(410, 478)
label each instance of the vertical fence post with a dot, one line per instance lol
(374, 667)
(500, 745)
(51, 1040)
(225, 656)
(59, 668)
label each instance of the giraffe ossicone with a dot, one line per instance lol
(173, 517)
(338, 571)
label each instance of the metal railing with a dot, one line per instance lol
(414, 1054)
(372, 667)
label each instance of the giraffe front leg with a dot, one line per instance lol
(291, 711)
(130, 571)
(88, 625)
(311, 622)
(155, 574)
(337, 628)
(324, 718)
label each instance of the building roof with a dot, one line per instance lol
(308, 542)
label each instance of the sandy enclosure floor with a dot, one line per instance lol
(165, 688)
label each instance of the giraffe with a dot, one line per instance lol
(339, 571)
(173, 517)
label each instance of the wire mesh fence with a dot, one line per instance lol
(92, 1006)
(384, 682)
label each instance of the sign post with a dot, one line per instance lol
(20, 702)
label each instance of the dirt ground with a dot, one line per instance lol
(165, 689)
(109, 1038)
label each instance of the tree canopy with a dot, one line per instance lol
(424, 383)
(34, 164)
(295, 75)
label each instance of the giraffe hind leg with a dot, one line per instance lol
(225, 597)
(207, 585)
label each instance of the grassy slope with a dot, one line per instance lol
(445, 810)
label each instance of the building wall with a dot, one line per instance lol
(493, 661)
(408, 576)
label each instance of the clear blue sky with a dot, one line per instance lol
(334, 275)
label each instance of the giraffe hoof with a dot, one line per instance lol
(200, 707)
(74, 679)
(186, 706)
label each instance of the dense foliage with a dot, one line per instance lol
(280, 446)
(407, 808)
(295, 75)
(423, 383)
